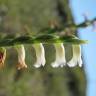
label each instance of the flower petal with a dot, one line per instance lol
(80, 62)
(40, 55)
(60, 60)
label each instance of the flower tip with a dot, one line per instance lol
(55, 65)
(62, 65)
(37, 65)
(80, 65)
(43, 62)
(71, 65)
(21, 66)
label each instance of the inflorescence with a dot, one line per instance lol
(50, 37)
(37, 43)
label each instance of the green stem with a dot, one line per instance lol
(4, 42)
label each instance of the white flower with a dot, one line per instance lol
(21, 57)
(60, 56)
(76, 59)
(40, 55)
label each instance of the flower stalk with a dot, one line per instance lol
(43, 38)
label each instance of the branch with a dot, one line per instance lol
(86, 24)
(48, 37)
(68, 25)
(11, 41)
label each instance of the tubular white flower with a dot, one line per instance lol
(76, 59)
(21, 57)
(60, 60)
(40, 55)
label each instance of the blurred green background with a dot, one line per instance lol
(22, 17)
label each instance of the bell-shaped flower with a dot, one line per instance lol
(76, 59)
(60, 60)
(40, 55)
(2, 56)
(21, 57)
